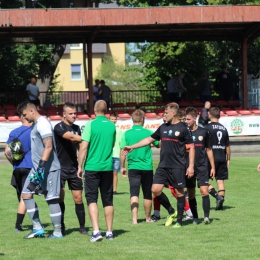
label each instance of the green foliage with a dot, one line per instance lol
(19, 62)
(118, 75)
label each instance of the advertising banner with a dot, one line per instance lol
(241, 125)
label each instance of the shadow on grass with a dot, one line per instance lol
(116, 232)
(224, 208)
(119, 232)
(120, 193)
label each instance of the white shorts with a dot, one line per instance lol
(50, 185)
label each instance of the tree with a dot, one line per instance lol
(118, 75)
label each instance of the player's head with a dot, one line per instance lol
(97, 82)
(171, 111)
(28, 111)
(138, 117)
(113, 118)
(102, 82)
(100, 107)
(214, 113)
(181, 115)
(191, 116)
(207, 105)
(69, 113)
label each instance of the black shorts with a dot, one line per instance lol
(191, 182)
(70, 175)
(221, 171)
(18, 179)
(169, 176)
(141, 177)
(102, 180)
(202, 178)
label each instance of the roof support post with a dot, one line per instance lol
(244, 74)
(90, 76)
(85, 68)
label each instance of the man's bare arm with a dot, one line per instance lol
(72, 137)
(48, 146)
(7, 154)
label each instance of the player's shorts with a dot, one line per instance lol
(169, 176)
(18, 179)
(191, 182)
(50, 185)
(102, 180)
(116, 164)
(202, 178)
(70, 175)
(221, 171)
(142, 178)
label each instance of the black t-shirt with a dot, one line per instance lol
(219, 141)
(66, 150)
(173, 139)
(201, 139)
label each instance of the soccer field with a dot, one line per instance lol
(232, 234)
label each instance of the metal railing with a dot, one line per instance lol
(81, 97)
(138, 96)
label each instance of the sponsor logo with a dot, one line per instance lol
(237, 126)
(194, 138)
(200, 138)
(177, 133)
(170, 132)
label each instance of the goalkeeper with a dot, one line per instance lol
(44, 177)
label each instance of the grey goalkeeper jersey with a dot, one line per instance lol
(40, 130)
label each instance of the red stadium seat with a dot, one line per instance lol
(184, 104)
(244, 112)
(234, 103)
(151, 115)
(131, 104)
(9, 106)
(55, 117)
(213, 103)
(158, 104)
(224, 109)
(161, 114)
(83, 116)
(118, 105)
(124, 116)
(223, 103)
(93, 116)
(118, 111)
(131, 111)
(256, 111)
(2, 119)
(107, 116)
(14, 118)
(232, 113)
(222, 113)
(159, 110)
(197, 103)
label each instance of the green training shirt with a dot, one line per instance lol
(100, 134)
(140, 158)
(116, 150)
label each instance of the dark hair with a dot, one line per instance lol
(68, 104)
(215, 112)
(102, 81)
(191, 111)
(180, 113)
(113, 114)
(24, 105)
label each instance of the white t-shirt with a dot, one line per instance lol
(34, 90)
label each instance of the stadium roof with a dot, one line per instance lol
(158, 24)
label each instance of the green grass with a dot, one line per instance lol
(233, 233)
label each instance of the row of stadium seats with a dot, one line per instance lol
(82, 116)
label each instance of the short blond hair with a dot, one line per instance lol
(138, 116)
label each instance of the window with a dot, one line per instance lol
(75, 71)
(76, 46)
